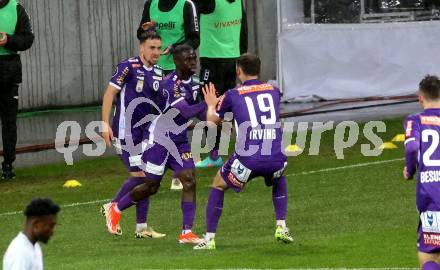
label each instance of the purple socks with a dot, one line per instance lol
(188, 211)
(124, 200)
(214, 154)
(214, 209)
(279, 197)
(431, 266)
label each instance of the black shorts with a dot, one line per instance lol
(219, 71)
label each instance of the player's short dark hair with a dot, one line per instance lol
(39, 207)
(430, 87)
(180, 49)
(250, 64)
(148, 35)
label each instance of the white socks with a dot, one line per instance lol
(281, 223)
(141, 226)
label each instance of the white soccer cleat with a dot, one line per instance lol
(176, 184)
(206, 244)
(283, 234)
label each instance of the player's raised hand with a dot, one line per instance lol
(107, 134)
(3, 38)
(405, 174)
(209, 92)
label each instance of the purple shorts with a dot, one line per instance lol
(157, 159)
(428, 239)
(237, 173)
(132, 161)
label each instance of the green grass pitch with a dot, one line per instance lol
(351, 217)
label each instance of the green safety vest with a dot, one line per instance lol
(170, 28)
(220, 30)
(8, 19)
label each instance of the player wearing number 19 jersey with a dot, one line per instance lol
(255, 108)
(422, 152)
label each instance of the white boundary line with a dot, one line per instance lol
(288, 175)
(349, 167)
(62, 206)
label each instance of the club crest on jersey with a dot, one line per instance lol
(156, 85)
(195, 93)
(140, 84)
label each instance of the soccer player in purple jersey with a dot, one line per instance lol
(422, 137)
(178, 92)
(256, 109)
(137, 77)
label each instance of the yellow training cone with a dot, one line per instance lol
(388, 145)
(293, 148)
(72, 184)
(399, 138)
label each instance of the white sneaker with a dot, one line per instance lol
(206, 244)
(176, 184)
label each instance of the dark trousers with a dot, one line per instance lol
(8, 115)
(219, 71)
(222, 73)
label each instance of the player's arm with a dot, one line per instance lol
(412, 145)
(107, 104)
(23, 37)
(116, 83)
(190, 26)
(145, 17)
(211, 100)
(189, 111)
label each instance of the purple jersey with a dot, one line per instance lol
(256, 112)
(422, 133)
(174, 91)
(134, 80)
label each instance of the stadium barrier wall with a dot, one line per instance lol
(336, 61)
(78, 43)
